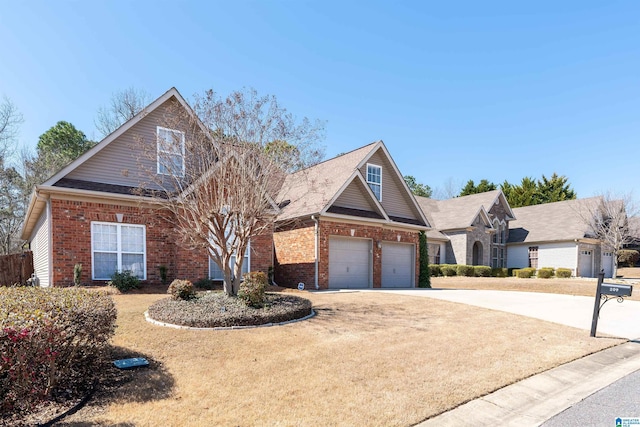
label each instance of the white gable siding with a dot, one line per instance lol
(122, 162)
(556, 255)
(40, 249)
(355, 197)
(395, 200)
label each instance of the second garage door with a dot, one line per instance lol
(398, 265)
(349, 262)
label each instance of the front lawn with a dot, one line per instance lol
(364, 359)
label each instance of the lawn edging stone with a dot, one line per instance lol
(224, 328)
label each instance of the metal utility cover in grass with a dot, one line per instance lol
(134, 362)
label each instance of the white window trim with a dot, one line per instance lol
(374, 183)
(247, 262)
(158, 150)
(119, 250)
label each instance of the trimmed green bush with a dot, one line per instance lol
(563, 273)
(51, 340)
(424, 277)
(525, 273)
(435, 270)
(252, 289)
(545, 273)
(181, 289)
(499, 272)
(628, 257)
(511, 272)
(124, 281)
(449, 270)
(466, 270)
(482, 270)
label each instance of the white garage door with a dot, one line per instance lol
(585, 264)
(349, 262)
(398, 265)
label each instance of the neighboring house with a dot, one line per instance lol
(471, 230)
(91, 213)
(348, 222)
(556, 235)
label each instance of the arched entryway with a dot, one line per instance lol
(477, 253)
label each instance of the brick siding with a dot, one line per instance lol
(71, 243)
(294, 248)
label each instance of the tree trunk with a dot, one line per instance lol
(228, 284)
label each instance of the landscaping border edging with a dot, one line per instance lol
(224, 328)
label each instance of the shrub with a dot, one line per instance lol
(511, 272)
(545, 273)
(252, 289)
(204, 283)
(482, 270)
(449, 270)
(51, 340)
(465, 270)
(499, 272)
(424, 278)
(163, 274)
(124, 281)
(181, 289)
(435, 270)
(628, 257)
(525, 273)
(77, 274)
(563, 273)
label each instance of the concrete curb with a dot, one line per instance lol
(534, 400)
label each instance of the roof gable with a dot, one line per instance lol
(341, 183)
(109, 145)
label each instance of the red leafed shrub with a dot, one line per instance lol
(51, 339)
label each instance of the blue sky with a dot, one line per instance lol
(456, 90)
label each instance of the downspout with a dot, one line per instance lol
(316, 235)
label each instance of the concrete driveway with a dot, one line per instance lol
(616, 319)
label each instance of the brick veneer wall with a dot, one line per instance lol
(295, 257)
(71, 243)
(294, 247)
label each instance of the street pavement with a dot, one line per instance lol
(619, 400)
(592, 391)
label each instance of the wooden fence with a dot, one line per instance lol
(16, 268)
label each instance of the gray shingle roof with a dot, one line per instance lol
(310, 190)
(559, 221)
(459, 212)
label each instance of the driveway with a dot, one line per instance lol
(616, 319)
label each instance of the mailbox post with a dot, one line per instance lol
(607, 291)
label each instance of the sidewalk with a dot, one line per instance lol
(534, 400)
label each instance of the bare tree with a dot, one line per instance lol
(217, 181)
(450, 189)
(123, 106)
(10, 120)
(607, 217)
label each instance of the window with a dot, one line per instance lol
(117, 247)
(216, 273)
(434, 253)
(495, 260)
(374, 179)
(170, 152)
(533, 256)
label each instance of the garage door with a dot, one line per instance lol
(349, 262)
(398, 265)
(585, 264)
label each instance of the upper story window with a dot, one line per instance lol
(170, 152)
(374, 179)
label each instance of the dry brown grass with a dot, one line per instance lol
(365, 359)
